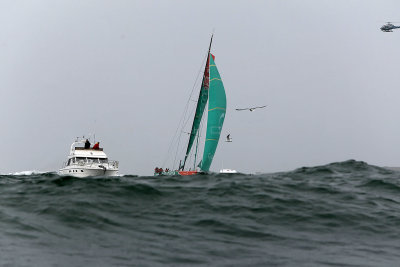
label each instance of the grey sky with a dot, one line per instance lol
(124, 70)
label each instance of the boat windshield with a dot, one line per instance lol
(103, 160)
(92, 160)
(77, 159)
(89, 160)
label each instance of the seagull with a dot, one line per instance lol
(251, 109)
(228, 138)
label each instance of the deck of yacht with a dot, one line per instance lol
(82, 148)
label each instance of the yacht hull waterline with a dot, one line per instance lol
(86, 172)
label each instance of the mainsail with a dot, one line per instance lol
(201, 104)
(216, 115)
(212, 90)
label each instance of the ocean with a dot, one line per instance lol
(340, 214)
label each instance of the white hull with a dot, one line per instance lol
(87, 172)
(227, 171)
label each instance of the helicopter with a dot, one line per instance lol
(389, 27)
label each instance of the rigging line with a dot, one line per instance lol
(187, 104)
(184, 123)
(198, 149)
(200, 95)
(176, 153)
(198, 141)
(175, 136)
(184, 112)
(199, 102)
(194, 110)
(189, 117)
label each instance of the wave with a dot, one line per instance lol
(332, 168)
(26, 173)
(341, 208)
(383, 185)
(348, 166)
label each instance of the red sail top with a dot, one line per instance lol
(206, 76)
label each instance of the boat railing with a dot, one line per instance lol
(82, 148)
(113, 164)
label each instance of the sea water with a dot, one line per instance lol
(341, 214)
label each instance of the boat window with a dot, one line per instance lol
(103, 160)
(81, 159)
(69, 162)
(93, 160)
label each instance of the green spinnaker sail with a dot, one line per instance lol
(216, 115)
(201, 104)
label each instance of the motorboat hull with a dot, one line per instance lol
(228, 171)
(88, 172)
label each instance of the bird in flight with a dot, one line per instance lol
(251, 109)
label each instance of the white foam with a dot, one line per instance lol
(26, 172)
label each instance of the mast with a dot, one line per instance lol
(209, 48)
(201, 103)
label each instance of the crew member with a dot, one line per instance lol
(87, 144)
(97, 145)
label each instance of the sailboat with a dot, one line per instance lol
(212, 92)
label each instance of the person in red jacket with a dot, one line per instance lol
(97, 145)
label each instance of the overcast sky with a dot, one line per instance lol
(125, 69)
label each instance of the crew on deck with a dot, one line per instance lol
(158, 170)
(96, 146)
(87, 144)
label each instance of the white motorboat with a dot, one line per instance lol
(84, 161)
(227, 171)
